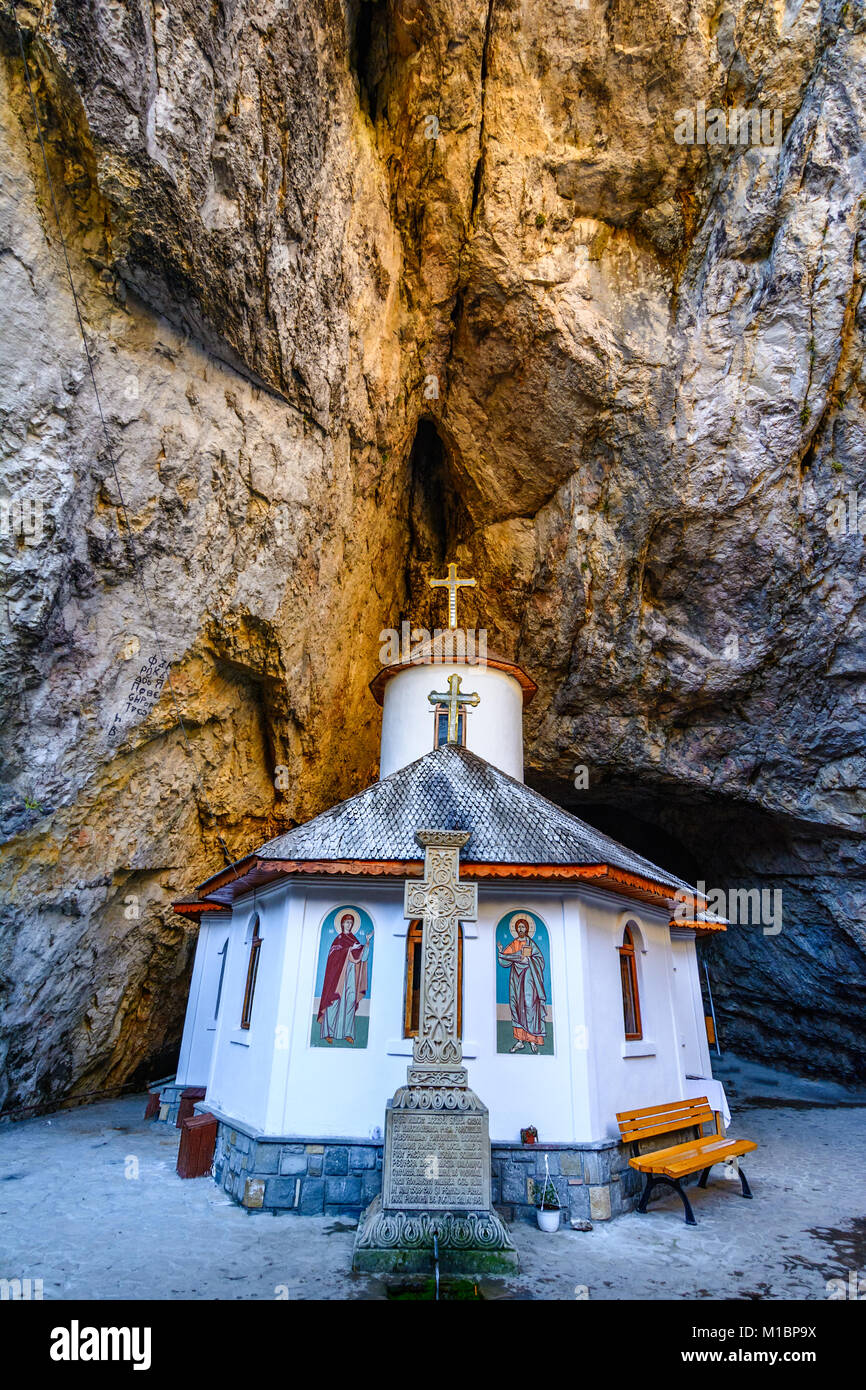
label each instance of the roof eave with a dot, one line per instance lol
(255, 871)
(194, 908)
(527, 684)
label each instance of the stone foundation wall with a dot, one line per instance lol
(169, 1103)
(340, 1177)
(593, 1181)
(334, 1177)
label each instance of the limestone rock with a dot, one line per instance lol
(372, 285)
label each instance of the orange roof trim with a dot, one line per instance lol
(491, 658)
(195, 909)
(253, 871)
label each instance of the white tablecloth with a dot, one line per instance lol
(695, 1087)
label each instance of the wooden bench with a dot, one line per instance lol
(680, 1160)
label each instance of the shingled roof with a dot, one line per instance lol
(453, 789)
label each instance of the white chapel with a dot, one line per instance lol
(579, 993)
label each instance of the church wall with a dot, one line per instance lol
(525, 1088)
(689, 1006)
(200, 1025)
(299, 1120)
(274, 1079)
(243, 1059)
(646, 1072)
(494, 729)
(292, 905)
(342, 1090)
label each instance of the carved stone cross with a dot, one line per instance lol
(442, 902)
(455, 700)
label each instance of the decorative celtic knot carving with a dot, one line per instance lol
(442, 901)
(440, 1076)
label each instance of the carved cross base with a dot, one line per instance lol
(401, 1242)
(436, 1172)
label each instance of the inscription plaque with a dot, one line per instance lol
(437, 1161)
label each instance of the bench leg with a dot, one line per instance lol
(747, 1191)
(704, 1178)
(690, 1216)
(652, 1182)
(649, 1184)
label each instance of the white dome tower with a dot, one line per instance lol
(482, 692)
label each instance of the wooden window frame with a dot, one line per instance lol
(414, 946)
(461, 726)
(252, 973)
(628, 973)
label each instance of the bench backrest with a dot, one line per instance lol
(664, 1119)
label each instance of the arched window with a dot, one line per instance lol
(630, 997)
(414, 956)
(252, 972)
(440, 726)
(222, 959)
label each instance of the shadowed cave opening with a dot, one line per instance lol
(368, 50)
(437, 522)
(428, 483)
(788, 975)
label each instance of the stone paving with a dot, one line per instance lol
(90, 1203)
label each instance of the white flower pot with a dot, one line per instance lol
(547, 1220)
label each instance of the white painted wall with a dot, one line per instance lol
(629, 1075)
(245, 1061)
(686, 1007)
(524, 1089)
(689, 1008)
(199, 1029)
(494, 728)
(271, 1078)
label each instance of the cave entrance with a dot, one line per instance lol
(438, 520)
(643, 835)
(787, 981)
(428, 492)
(368, 50)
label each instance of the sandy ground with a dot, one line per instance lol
(90, 1203)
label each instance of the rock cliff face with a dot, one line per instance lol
(369, 284)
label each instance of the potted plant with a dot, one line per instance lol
(547, 1205)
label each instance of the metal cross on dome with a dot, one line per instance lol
(454, 700)
(452, 584)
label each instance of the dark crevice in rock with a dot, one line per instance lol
(368, 51)
(437, 516)
(478, 176)
(428, 519)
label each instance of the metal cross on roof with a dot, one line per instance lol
(452, 584)
(454, 700)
